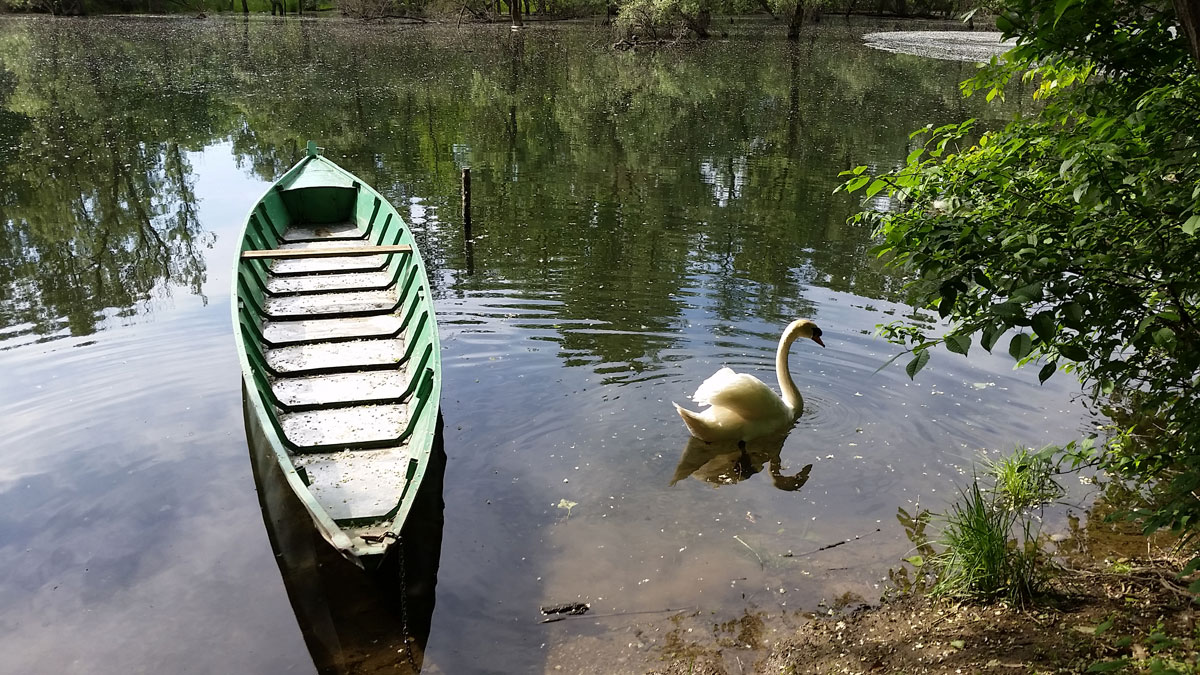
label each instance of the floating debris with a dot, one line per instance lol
(560, 612)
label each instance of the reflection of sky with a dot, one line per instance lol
(225, 194)
(129, 525)
(727, 177)
(129, 520)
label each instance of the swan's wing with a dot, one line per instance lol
(713, 385)
(744, 394)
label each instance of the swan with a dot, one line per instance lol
(742, 407)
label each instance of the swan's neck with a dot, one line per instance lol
(791, 395)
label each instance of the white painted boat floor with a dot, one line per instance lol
(344, 426)
(328, 282)
(352, 301)
(357, 484)
(323, 243)
(340, 355)
(289, 332)
(349, 483)
(362, 263)
(370, 385)
(337, 231)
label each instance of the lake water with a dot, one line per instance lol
(639, 220)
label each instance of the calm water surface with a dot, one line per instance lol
(639, 221)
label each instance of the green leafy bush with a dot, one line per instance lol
(1073, 233)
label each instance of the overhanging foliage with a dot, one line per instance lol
(1073, 230)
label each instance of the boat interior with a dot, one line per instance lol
(332, 313)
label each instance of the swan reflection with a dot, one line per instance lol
(728, 463)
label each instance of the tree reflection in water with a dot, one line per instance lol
(99, 214)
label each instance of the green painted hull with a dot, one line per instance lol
(335, 329)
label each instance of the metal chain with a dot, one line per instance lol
(408, 640)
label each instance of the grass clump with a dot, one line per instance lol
(1024, 480)
(989, 550)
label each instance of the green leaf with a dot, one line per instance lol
(1046, 371)
(917, 364)
(1066, 166)
(1045, 326)
(990, 335)
(1073, 352)
(979, 277)
(959, 344)
(949, 295)
(915, 155)
(876, 185)
(1165, 337)
(1072, 313)
(1020, 346)
(1190, 225)
(1030, 293)
(1060, 7)
(856, 183)
(1008, 310)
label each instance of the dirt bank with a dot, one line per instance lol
(1138, 615)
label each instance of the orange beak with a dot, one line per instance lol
(817, 340)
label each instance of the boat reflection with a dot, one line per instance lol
(355, 620)
(729, 463)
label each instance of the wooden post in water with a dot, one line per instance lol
(466, 204)
(466, 216)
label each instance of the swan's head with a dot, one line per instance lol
(803, 328)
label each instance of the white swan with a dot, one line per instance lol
(741, 407)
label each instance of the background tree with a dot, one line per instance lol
(666, 18)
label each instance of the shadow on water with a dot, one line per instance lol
(355, 620)
(729, 463)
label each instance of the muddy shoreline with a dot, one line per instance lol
(1136, 617)
(1112, 601)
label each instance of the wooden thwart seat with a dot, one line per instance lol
(330, 252)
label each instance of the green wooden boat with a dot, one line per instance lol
(335, 329)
